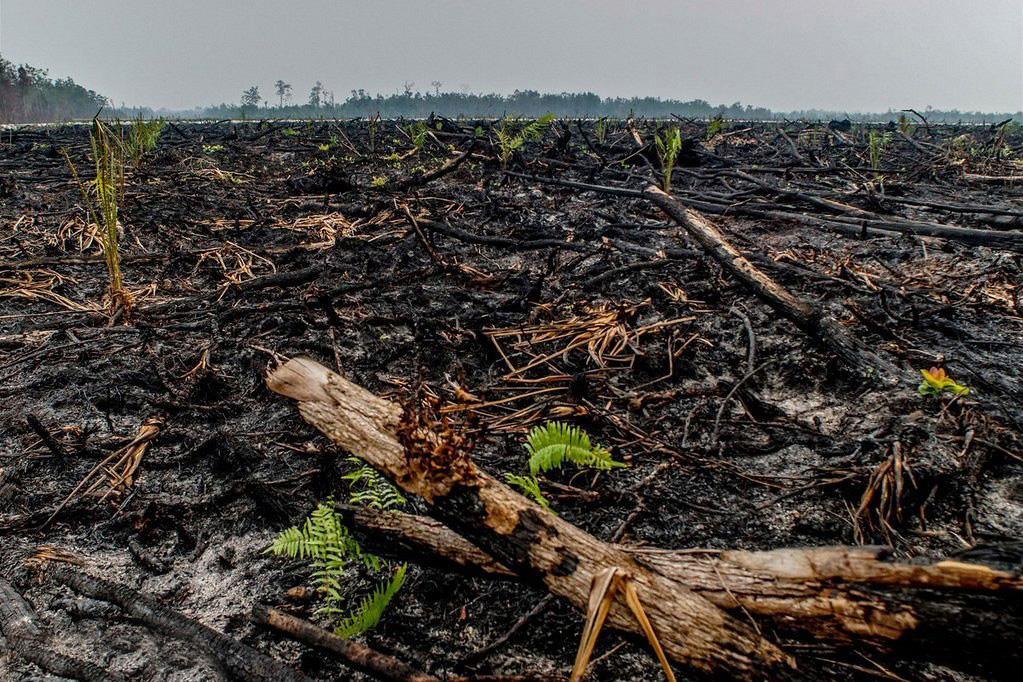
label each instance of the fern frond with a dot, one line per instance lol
(535, 130)
(530, 487)
(551, 445)
(374, 490)
(372, 608)
(324, 539)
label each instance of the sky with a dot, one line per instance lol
(843, 55)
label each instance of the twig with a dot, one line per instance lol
(358, 656)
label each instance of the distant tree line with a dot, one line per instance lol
(531, 103)
(28, 95)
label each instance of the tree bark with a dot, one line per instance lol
(700, 601)
(539, 546)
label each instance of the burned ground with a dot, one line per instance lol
(511, 300)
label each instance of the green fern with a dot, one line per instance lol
(367, 615)
(510, 137)
(327, 544)
(325, 540)
(374, 491)
(551, 445)
(530, 487)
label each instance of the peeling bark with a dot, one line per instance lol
(539, 546)
(700, 601)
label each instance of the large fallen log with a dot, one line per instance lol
(536, 544)
(700, 601)
(818, 592)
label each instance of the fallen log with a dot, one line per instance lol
(697, 599)
(240, 660)
(786, 586)
(809, 317)
(539, 546)
(26, 637)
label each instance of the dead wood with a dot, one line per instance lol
(841, 595)
(809, 317)
(27, 638)
(418, 180)
(539, 546)
(425, 541)
(358, 656)
(240, 660)
(838, 595)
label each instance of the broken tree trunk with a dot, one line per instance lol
(700, 600)
(536, 544)
(809, 317)
(821, 592)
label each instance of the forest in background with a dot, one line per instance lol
(29, 95)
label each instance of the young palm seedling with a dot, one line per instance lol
(102, 199)
(418, 134)
(716, 126)
(668, 148)
(878, 143)
(511, 136)
(142, 137)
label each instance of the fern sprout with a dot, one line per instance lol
(551, 445)
(325, 540)
(367, 615)
(326, 543)
(530, 486)
(369, 489)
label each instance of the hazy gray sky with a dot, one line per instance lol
(850, 55)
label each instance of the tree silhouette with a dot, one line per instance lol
(316, 95)
(283, 91)
(27, 94)
(251, 97)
